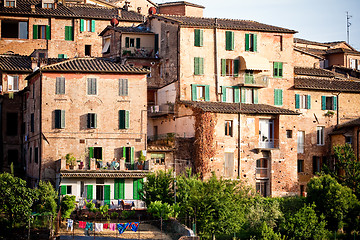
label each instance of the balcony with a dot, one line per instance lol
(262, 173)
(104, 166)
(160, 110)
(268, 144)
(144, 52)
(116, 204)
(254, 80)
(167, 139)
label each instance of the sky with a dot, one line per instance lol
(314, 20)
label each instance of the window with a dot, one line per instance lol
(62, 56)
(278, 69)
(69, 33)
(124, 119)
(279, 41)
(137, 186)
(88, 50)
(119, 188)
(158, 158)
(198, 37)
(250, 42)
(106, 43)
(328, 103)
(229, 128)
(320, 135)
(10, 3)
(317, 164)
(288, 133)
(129, 156)
(87, 25)
(14, 29)
(262, 168)
(41, 32)
(348, 140)
(32, 124)
(123, 87)
(249, 77)
(91, 84)
(11, 124)
(198, 66)
(132, 42)
(261, 188)
(230, 67)
(229, 35)
(91, 120)
(59, 118)
(278, 97)
(48, 5)
(36, 158)
(65, 189)
(60, 85)
(302, 190)
(200, 92)
(300, 164)
(13, 83)
(230, 94)
(300, 141)
(353, 63)
(249, 95)
(302, 101)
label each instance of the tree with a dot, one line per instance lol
(331, 199)
(47, 198)
(67, 206)
(158, 187)
(16, 200)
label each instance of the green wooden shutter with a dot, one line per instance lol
(243, 95)
(35, 31)
(223, 90)
(193, 92)
(127, 119)
(116, 188)
(48, 32)
(255, 42)
(63, 190)
(323, 102)
(196, 66)
(236, 67)
(81, 25)
(67, 33)
(91, 152)
(278, 97)
(124, 153)
(207, 93)
(197, 37)
(229, 35)
(122, 121)
(223, 67)
(137, 186)
(137, 42)
(201, 40)
(275, 70)
(127, 42)
(107, 194)
(89, 192)
(297, 101)
(95, 120)
(201, 66)
(334, 103)
(132, 157)
(62, 123)
(247, 42)
(237, 95)
(256, 96)
(122, 189)
(308, 102)
(280, 69)
(92, 25)
(119, 188)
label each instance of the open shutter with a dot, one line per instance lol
(91, 152)
(193, 92)
(223, 90)
(81, 25)
(308, 102)
(256, 96)
(124, 153)
(137, 42)
(280, 69)
(243, 95)
(201, 66)
(107, 194)
(63, 190)
(89, 192)
(207, 93)
(127, 42)
(95, 120)
(334, 103)
(275, 70)
(323, 102)
(35, 31)
(48, 32)
(92, 25)
(122, 189)
(196, 66)
(236, 67)
(223, 67)
(255, 43)
(116, 188)
(127, 119)
(247, 42)
(297, 101)
(237, 95)
(62, 119)
(135, 189)
(132, 157)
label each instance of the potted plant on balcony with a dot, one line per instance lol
(141, 161)
(70, 160)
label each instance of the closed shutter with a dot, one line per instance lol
(137, 187)
(89, 192)
(92, 25)
(107, 194)
(247, 42)
(243, 97)
(67, 33)
(69, 36)
(198, 69)
(127, 119)
(122, 121)
(323, 102)
(116, 188)
(297, 101)
(255, 42)
(278, 97)
(223, 89)
(201, 66)
(207, 93)
(198, 42)
(63, 190)
(193, 92)
(223, 67)
(123, 87)
(308, 102)
(48, 32)
(280, 69)
(81, 25)
(62, 122)
(91, 152)
(237, 95)
(60, 85)
(334, 103)
(275, 70)
(137, 42)
(119, 189)
(236, 67)
(35, 31)
(127, 42)
(229, 40)
(256, 96)
(132, 157)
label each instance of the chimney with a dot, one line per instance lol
(32, 8)
(119, 12)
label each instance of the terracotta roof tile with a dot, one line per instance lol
(312, 51)
(223, 23)
(138, 29)
(15, 63)
(304, 41)
(221, 107)
(326, 84)
(313, 72)
(179, 3)
(352, 123)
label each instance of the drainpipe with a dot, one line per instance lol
(216, 62)
(239, 142)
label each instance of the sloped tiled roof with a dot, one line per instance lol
(179, 3)
(342, 50)
(327, 84)
(319, 53)
(222, 23)
(92, 65)
(352, 123)
(221, 107)
(313, 72)
(137, 29)
(304, 41)
(15, 63)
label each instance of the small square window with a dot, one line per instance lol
(48, 5)
(68, 189)
(300, 166)
(229, 128)
(288, 133)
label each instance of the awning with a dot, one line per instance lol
(254, 63)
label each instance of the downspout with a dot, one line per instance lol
(216, 61)
(40, 128)
(239, 142)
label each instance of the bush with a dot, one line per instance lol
(114, 215)
(127, 214)
(67, 206)
(47, 198)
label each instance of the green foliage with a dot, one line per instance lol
(91, 206)
(114, 215)
(161, 210)
(267, 233)
(70, 159)
(127, 214)
(47, 198)
(158, 187)
(67, 206)
(104, 210)
(305, 224)
(332, 200)
(16, 200)
(289, 205)
(142, 158)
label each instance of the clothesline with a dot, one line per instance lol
(99, 227)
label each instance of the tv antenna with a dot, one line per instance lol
(348, 24)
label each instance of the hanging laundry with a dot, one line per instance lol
(98, 227)
(122, 227)
(82, 224)
(69, 224)
(89, 226)
(106, 226)
(134, 226)
(112, 226)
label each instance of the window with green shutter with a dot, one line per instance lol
(123, 87)
(278, 97)
(107, 194)
(200, 92)
(198, 37)
(41, 32)
(329, 103)
(198, 66)
(302, 101)
(278, 69)
(137, 187)
(60, 85)
(230, 44)
(69, 33)
(124, 119)
(91, 86)
(249, 95)
(62, 56)
(89, 192)
(119, 188)
(91, 120)
(250, 42)
(230, 67)
(63, 190)
(59, 119)
(35, 32)
(230, 94)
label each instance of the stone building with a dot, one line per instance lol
(93, 110)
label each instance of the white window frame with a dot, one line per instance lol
(300, 141)
(13, 83)
(320, 135)
(249, 95)
(200, 93)
(230, 94)
(106, 47)
(303, 101)
(352, 63)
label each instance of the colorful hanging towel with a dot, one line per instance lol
(134, 226)
(106, 226)
(69, 224)
(82, 224)
(98, 227)
(89, 226)
(122, 227)
(112, 226)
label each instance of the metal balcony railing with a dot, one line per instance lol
(121, 204)
(156, 110)
(143, 52)
(268, 143)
